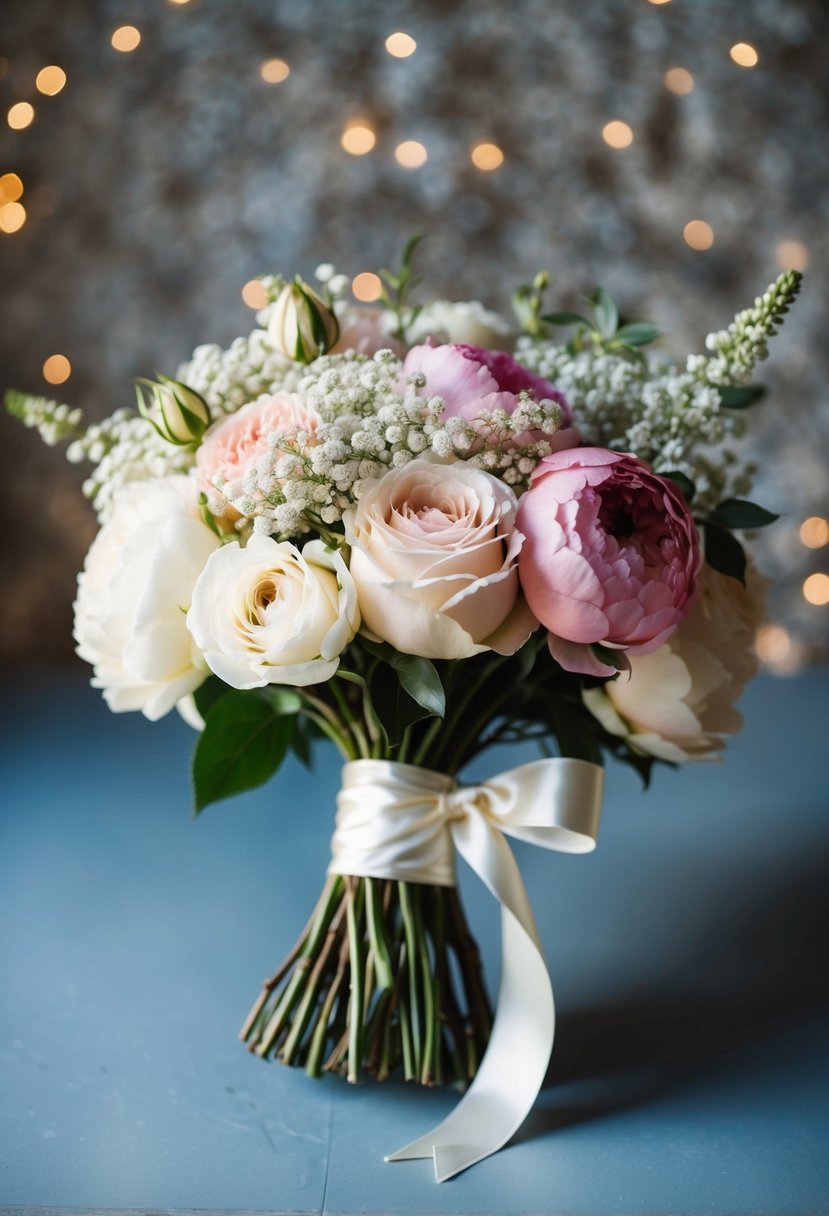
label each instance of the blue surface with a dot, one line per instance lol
(688, 954)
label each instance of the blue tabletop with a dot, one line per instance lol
(688, 955)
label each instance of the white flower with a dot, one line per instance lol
(678, 703)
(270, 614)
(434, 553)
(466, 321)
(134, 592)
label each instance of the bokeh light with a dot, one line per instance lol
(366, 287)
(816, 589)
(12, 217)
(274, 71)
(126, 38)
(792, 255)
(410, 154)
(617, 134)
(358, 139)
(487, 157)
(772, 644)
(814, 532)
(698, 234)
(20, 115)
(11, 188)
(50, 80)
(57, 369)
(401, 45)
(679, 80)
(744, 54)
(254, 294)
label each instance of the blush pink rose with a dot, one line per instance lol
(471, 379)
(235, 445)
(611, 555)
(368, 330)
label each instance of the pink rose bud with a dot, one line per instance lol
(611, 555)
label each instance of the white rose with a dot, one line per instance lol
(678, 703)
(434, 556)
(270, 614)
(466, 321)
(133, 594)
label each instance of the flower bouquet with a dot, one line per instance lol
(414, 534)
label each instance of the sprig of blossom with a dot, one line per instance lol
(669, 416)
(370, 423)
(54, 422)
(124, 448)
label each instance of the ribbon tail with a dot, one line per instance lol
(515, 1062)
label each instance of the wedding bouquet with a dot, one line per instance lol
(413, 533)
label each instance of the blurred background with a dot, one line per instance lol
(157, 155)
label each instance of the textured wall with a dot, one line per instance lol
(158, 182)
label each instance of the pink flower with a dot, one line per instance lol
(235, 446)
(611, 555)
(471, 379)
(367, 330)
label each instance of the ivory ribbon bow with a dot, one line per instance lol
(402, 822)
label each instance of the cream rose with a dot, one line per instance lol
(434, 553)
(272, 614)
(678, 703)
(133, 594)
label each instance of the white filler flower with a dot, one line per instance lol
(272, 614)
(134, 593)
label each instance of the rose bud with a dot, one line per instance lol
(178, 413)
(302, 327)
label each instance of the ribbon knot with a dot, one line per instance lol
(406, 823)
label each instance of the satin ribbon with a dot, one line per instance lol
(406, 823)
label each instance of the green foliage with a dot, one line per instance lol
(398, 286)
(740, 396)
(418, 677)
(739, 513)
(245, 739)
(684, 482)
(723, 551)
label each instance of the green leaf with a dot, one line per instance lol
(607, 314)
(244, 741)
(724, 552)
(394, 707)
(740, 397)
(685, 484)
(209, 693)
(739, 513)
(283, 699)
(638, 333)
(566, 318)
(417, 676)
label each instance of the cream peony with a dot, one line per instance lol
(678, 702)
(270, 614)
(434, 556)
(466, 321)
(134, 592)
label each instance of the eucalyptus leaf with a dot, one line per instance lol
(740, 397)
(638, 333)
(607, 314)
(244, 741)
(683, 481)
(739, 513)
(724, 552)
(566, 318)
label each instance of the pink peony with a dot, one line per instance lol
(235, 446)
(611, 555)
(471, 379)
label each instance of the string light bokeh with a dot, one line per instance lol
(156, 159)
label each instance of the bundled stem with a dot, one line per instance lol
(386, 975)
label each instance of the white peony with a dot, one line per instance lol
(464, 321)
(133, 596)
(678, 703)
(272, 614)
